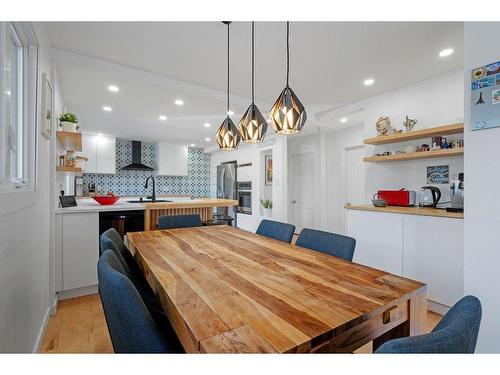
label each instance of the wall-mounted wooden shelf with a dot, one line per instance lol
(444, 153)
(70, 141)
(416, 134)
(69, 169)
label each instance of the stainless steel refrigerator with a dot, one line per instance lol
(226, 187)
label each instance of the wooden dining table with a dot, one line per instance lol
(226, 290)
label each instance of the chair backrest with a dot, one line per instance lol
(131, 327)
(275, 229)
(455, 333)
(328, 243)
(179, 221)
(111, 240)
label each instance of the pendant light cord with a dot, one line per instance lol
(253, 58)
(287, 51)
(227, 70)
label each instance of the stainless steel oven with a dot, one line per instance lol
(244, 193)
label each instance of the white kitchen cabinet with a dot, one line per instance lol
(100, 151)
(172, 160)
(80, 249)
(378, 239)
(433, 253)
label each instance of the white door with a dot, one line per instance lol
(302, 194)
(354, 186)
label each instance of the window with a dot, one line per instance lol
(18, 72)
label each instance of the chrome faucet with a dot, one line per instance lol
(153, 196)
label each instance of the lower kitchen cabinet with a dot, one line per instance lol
(424, 248)
(378, 239)
(433, 252)
(80, 250)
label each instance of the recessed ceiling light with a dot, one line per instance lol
(193, 145)
(162, 117)
(107, 109)
(99, 134)
(179, 102)
(343, 119)
(368, 82)
(207, 139)
(230, 113)
(446, 52)
(113, 88)
(207, 125)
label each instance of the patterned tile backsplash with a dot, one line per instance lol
(196, 183)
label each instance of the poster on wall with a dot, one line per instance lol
(485, 97)
(268, 170)
(438, 174)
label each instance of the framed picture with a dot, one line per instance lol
(438, 174)
(268, 170)
(47, 108)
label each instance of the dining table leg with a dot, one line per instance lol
(415, 324)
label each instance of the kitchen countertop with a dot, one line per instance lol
(89, 205)
(407, 210)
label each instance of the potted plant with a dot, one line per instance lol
(267, 205)
(69, 122)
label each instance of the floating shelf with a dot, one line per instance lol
(416, 134)
(69, 169)
(70, 141)
(445, 153)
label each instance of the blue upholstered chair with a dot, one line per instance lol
(131, 327)
(179, 221)
(278, 231)
(111, 240)
(455, 333)
(328, 243)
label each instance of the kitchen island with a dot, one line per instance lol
(78, 229)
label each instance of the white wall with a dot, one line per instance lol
(25, 250)
(251, 153)
(437, 101)
(482, 207)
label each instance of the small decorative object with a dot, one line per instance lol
(267, 206)
(47, 100)
(69, 122)
(436, 142)
(397, 131)
(438, 174)
(444, 143)
(458, 144)
(485, 94)
(70, 159)
(383, 126)
(268, 178)
(423, 147)
(409, 123)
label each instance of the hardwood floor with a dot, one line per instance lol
(79, 326)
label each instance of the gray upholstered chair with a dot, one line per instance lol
(455, 333)
(179, 221)
(328, 243)
(131, 327)
(275, 229)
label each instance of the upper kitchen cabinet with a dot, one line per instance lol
(172, 160)
(100, 151)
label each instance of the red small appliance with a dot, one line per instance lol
(401, 197)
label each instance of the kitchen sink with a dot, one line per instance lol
(148, 201)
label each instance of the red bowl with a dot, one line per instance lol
(106, 200)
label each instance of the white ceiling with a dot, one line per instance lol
(156, 63)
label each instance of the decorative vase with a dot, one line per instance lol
(268, 212)
(68, 126)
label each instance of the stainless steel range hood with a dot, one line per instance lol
(136, 164)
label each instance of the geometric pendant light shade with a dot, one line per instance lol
(288, 114)
(252, 125)
(227, 136)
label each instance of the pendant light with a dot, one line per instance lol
(227, 136)
(252, 125)
(288, 114)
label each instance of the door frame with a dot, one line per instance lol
(344, 169)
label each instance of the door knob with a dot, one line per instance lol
(294, 201)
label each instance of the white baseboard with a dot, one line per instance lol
(437, 307)
(41, 333)
(78, 292)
